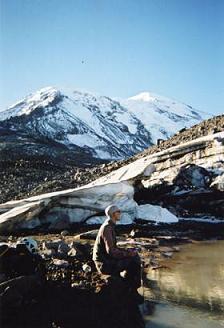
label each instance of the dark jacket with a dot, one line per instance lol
(105, 247)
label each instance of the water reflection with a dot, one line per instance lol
(191, 292)
(168, 315)
(195, 277)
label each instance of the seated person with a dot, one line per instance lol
(109, 259)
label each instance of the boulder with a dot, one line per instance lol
(192, 177)
(81, 251)
(72, 252)
(86, 268)
(64, 233)
(63, 249)
(48, 253)
(167, 254)
(61, 263)
(51, 244)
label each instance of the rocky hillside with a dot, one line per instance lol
(182, 181)
(206, 127)
(26, 177)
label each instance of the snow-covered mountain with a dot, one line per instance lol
(98, 125)
(162, 116)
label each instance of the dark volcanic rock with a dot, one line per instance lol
(72, 296)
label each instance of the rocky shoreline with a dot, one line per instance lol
(75, 294)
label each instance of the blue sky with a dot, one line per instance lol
(117, 48)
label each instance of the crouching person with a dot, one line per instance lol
(111, 260)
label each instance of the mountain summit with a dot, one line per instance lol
(162, 116)
(97, 125)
